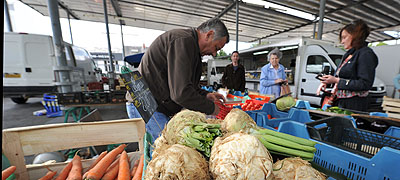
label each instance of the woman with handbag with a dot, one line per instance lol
(273, 75)
(356, 73)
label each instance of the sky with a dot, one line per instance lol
(25, 19)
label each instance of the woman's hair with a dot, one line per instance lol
(276, 52)
(235, 52)
(216, 25)
(359, 31)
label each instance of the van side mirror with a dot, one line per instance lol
(327, 70)
(213, 72)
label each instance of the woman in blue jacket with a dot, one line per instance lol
(272, 74)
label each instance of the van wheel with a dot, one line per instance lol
(19, 100)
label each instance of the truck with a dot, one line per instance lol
(28, 66)
(388, 67)
(215, 71)
(303, 59)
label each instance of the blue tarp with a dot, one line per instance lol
(134, 59)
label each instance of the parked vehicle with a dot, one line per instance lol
(28, 65)
(389, 65)
(303, 59)
(215, 71)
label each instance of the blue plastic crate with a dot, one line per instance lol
(383, 165)
(303, 105)
(270, 109)
(393, 131)
(147, 152)
(298, 115)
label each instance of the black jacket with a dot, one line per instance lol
(358, 73)
(234, 79)
(172, 69)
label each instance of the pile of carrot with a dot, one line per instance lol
(7, 172)
(108, 166)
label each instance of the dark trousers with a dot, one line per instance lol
(354, 103)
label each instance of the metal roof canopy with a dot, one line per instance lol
(255, 22)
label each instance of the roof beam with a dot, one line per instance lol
(228, 8)
(117, 10)
(61, 4)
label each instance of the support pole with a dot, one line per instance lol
(64, 78)
(315, 27)
(7, 16)
(111, 72)
(123, 46)
(237, 25)
(321, 18)
(70, 30)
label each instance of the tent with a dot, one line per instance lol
(134, 60)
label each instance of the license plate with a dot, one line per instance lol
(13, 75)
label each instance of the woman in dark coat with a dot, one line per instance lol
(355, 75)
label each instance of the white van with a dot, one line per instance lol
(303, 59)
(215, 71)
(28, 61)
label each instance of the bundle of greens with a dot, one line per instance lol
(190, 128)
(276, 142)
(337, 110)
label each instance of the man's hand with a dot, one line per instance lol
(216, 97)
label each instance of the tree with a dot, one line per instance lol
(221, 53)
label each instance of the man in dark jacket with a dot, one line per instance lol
(172, 69)
(234, 77)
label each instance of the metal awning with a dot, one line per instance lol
(255, 22)
(379, 15)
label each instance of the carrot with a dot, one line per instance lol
(7, 172)
(97, 160)
(76, 170)
(112, 171)
(114, 163)
(94, 164)
(49, 175)
(139, 171)
(123, 172)
(98, 171)
(64, 173)
(134, 168)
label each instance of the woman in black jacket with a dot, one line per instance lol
(355, 75)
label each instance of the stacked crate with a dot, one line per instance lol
(391, 107)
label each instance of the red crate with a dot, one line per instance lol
(95, 86)
(223, 110)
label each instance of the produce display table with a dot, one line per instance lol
(25, 141)
(322, 114)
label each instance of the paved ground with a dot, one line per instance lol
(21, 115)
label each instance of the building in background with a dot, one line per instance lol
(103, 62)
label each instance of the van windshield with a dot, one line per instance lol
(336, 58)
(220, 70)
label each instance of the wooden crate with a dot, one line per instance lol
(25, 141)
(391, 107)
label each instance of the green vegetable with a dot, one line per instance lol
(285, 103)
(274, 147)
(287, 143)
(287, 137)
